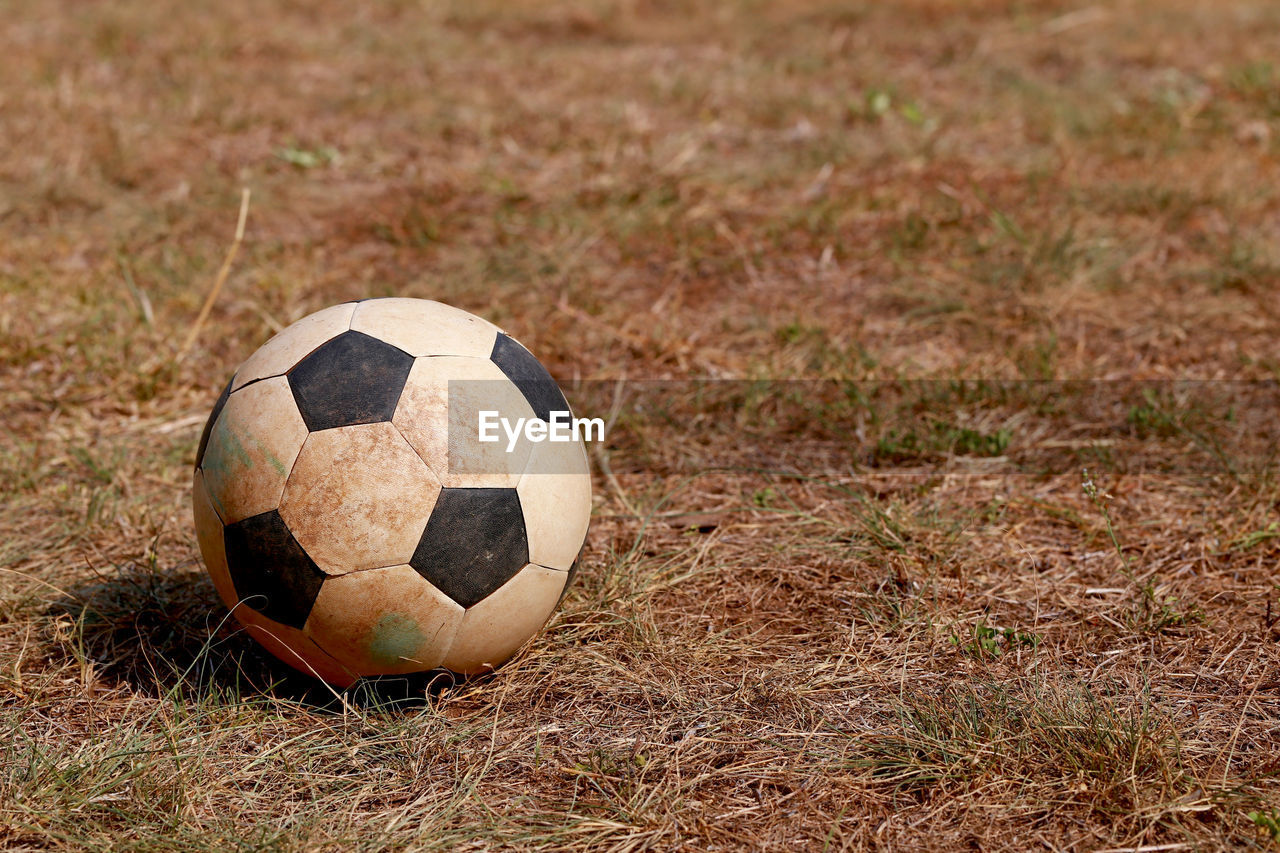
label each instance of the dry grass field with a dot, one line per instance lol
(940, 506)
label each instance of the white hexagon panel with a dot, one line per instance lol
(251, 450)
(439, 413)
(555, 496)
(359, 497)
(384, 621)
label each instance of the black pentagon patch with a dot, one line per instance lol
(351, 379)
(474, 543)
(271, 572)
(213, 416)
(529, 376)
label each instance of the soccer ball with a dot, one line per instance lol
(350, 516)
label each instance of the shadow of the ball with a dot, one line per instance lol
(164, 633)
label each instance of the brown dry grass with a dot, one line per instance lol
(812, 615)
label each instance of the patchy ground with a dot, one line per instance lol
(901, 274)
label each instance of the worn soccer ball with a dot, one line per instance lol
(351, 519)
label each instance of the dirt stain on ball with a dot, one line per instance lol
(395, 638)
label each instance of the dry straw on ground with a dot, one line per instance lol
(884, 613)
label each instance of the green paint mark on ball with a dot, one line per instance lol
(224, 448)
(271, 459)
(395, 638)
